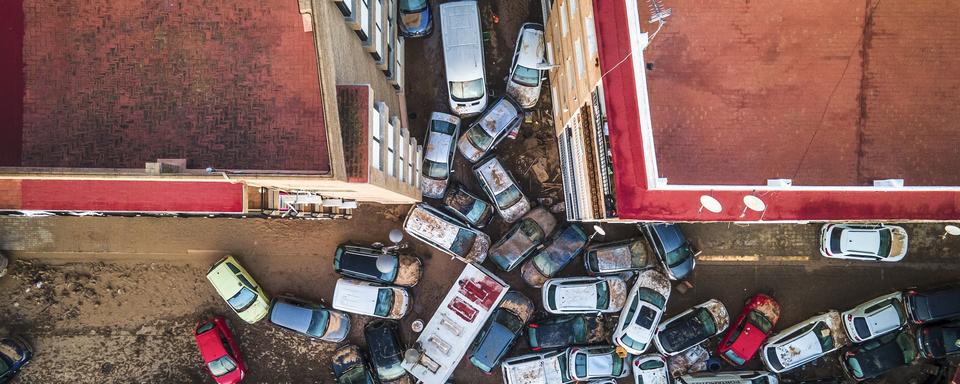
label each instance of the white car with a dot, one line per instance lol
(537, 368)
(502, 189)
(438, 154)
(876, 317)
(584, 294)
(804, 342)
(463, 57)
(501, 120)
(446, 233)
(692, 327)
(524, 80)
(867, 243)
(370, 299)
(650, 369)
(599, 362)
(642, 312)
(739, 377)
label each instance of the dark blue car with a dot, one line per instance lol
(415, 18)
(15, 353)
(350, 367)
(501, 331)
(672, 249)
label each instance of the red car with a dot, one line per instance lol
(755, 323)
(220, 354)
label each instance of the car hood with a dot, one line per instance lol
(532, 275)
(338, 327)
(682, 270)
(431, 188)
(510, 251)
(526, 96)
(469, 152)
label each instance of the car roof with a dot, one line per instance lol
(800, 349)
(669, 235)
(531, 46)
(438, 147)
(463, 52)
(860, 240)
(498, 117)
(209, 344)
(575, 296)
(224, 280)
(494, 341)
(886, 319)
(426, 222)
(355, 295)
(885, 356)
(291, 315)
(495, 175)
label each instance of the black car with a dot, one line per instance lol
(939, 341)
(672, 249)
(15, 353)
(361, 263)
(350, 367)
(935, 305)
(876, 357)
(564, 331)
(386, 351)
(468, 207)
(501, 331)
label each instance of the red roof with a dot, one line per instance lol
(121, 196)
(636, 201)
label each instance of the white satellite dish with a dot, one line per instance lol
(396, 236)
(598, 230)
(386, 263)
(952, 230)
(754, 203)
(710, 203)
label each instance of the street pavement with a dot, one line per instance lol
(116, 299)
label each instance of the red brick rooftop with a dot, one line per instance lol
(742, 92)
(117, 83)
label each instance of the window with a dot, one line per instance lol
(391, 144)
(377, 32)
(570, 83)
(603, 295)
(376, 141)
(242, 299)
(578, 54)
(463, 91)
(364, 20)
(384, 302)
(411, 157)
(222, 366)
(590, 31)
(402, 165)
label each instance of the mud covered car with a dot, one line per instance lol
(733, 377)
(496, 123)
(672, 249)
(537, 368)
(692, 327)
(584, 294)
(361, 263)
(468, 207)
(804, 342)
(308, 319)
(861, 242)
(876, 357)
(755, 323)
(350, 367)
(522, 239)
(641, 314)
(650, 369)
(599, 362)
(386, 352)
(218, 348)
(15, 353)
(876, 317)
(438, 154)
(616, 257)
(502, 189)
(562, 247)
(446, 233)
(503, 329)
(370, 299)
(564, 331)
(237, 287)
(524, 80)
(939, 341)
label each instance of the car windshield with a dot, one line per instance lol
(651, 364)
(508, 197)
(825, 335)
(884, 249)
(677, 256)
(949, 340)
(479, 137)
(627, 341)
(318, 324)
(906, 344)
(435, 170)
(509, 321)
(732, 356)
(617, 368)
(466, 90)
(412, 5)
(355, 375)
(652, 297)
(760, 321)
(860, 324)
(835, 237)
(603, 295)
(222, 366)
(442, 126)
(580, 363)
(384, 302)
(526, 76)
(4, 366)
(204, 328)
(243, 299)
(531, 229)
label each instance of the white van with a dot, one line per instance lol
(370, 299)
(463, 57)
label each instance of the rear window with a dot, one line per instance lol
(603, 295)
(835, 240)
(760, 321)
(204, 328)
(509, 197)
(222, 366)
(884, 249)
(651, 364)
(860, 324)
(384, 302)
